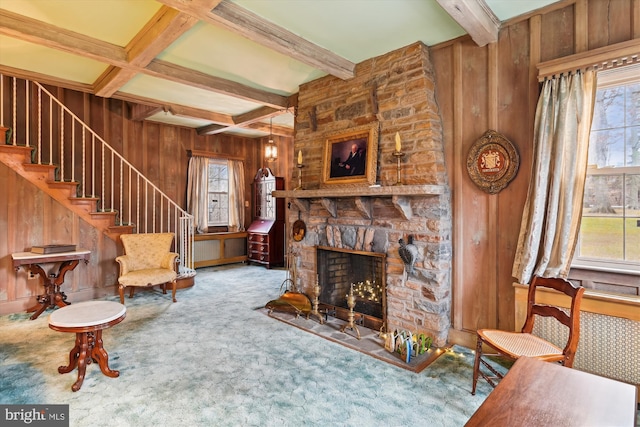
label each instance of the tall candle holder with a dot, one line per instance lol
(316, 303)
(299, 166)
(351, 303)
(398, 155)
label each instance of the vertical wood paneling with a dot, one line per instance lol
(609, 22)
(504, 78)
(635, 18)
(558, 30)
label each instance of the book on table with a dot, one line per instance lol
(52, 249)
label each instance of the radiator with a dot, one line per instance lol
(609, 346)
(204, 250)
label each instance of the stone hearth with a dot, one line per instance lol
(397, 92)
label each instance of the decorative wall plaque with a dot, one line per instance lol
(492, 162)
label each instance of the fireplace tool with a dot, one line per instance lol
(351, 302)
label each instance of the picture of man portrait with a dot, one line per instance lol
(351, 162)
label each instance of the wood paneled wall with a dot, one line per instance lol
(495, 87)
(30, 217)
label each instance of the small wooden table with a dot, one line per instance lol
(52, 281)
(536, 393)
(87, 320)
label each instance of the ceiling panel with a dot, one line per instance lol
(52, 62)
(113, 21)
(218, 52)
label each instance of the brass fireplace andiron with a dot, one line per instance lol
(315, 302)
(351, 302)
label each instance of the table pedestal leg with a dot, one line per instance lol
(52, 295)
(88, 344)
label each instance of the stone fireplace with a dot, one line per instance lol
(396, 92)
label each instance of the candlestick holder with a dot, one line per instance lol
(351, 303)
(299, 166)
(398, 155)
(316, 303)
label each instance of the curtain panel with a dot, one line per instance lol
(553, 209)
(236, 195)
(197, 180)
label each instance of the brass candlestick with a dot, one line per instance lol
(299, 166)
(398, 155)
(315, 311)
(351, 303)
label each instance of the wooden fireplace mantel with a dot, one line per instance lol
(400, 196)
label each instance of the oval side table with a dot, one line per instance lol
(87, 320)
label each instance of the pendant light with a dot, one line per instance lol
(271, 150)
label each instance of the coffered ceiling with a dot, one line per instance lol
(224, 65)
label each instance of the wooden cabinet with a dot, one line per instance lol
(266, 232)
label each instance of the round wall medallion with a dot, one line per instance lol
(492, 162)
(299, 230)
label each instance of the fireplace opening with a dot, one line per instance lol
(340, 270)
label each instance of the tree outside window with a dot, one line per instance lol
(610, 229)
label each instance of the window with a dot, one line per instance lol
(218, 191)
(610, 228)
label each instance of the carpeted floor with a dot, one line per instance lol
(212, 359)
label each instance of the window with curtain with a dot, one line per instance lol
(609, 235)
(215, 193)
(218, 193)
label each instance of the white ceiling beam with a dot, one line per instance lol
(240, 21)
(475, 17)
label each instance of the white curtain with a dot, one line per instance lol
(552, 212)
(236, 195)
(197, 192)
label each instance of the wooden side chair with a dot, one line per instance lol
(512, 345)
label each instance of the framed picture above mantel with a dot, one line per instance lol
(351, 156)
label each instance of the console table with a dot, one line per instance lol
(52, 281)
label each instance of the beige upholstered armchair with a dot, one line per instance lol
(147, 261)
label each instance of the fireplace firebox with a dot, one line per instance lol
(341, 270)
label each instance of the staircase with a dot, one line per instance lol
(48, 145)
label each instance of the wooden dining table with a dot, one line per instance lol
(536, 393)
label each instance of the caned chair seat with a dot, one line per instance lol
(517, 344)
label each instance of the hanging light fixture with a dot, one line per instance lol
(271, 150)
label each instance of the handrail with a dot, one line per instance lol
(78, 151)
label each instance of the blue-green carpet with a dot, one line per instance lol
(211, 359)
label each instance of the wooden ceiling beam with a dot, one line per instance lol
(179, 74)
(275, 130)
(41, 33)
(475, 17)
(240, 21)
(250, 120)
(165, 27)
(139, 112)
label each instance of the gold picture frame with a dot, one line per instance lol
(351, 156)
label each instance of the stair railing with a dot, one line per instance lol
(81, 156)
